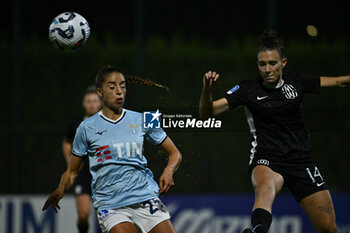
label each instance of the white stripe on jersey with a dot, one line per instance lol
(108, 119)
(251, 124)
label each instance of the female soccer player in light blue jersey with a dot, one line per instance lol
(124, 192)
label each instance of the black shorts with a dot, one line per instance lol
(82, 184)
(303, 179)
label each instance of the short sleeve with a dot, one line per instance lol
(80, 143)
(155, 136)
(310, 83)
(234, 96)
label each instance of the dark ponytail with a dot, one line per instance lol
(105, 70)
(268, 41)
(139, 81)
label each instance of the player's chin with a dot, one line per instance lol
(116, 106)
(270, 80)
(119, 105)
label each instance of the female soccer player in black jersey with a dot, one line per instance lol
(281, 153)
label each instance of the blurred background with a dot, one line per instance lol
(173, 43)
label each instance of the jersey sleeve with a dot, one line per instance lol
(80, 143)
(155, 136)
(310, 83)
(235, 96)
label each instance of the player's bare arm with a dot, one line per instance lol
(338, 81)
(67, 180)
(208, 107)
(166, 179)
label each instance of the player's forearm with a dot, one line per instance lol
(67, 180)
(206, 103)
(174, 161)
(343, 81)
(339, 81)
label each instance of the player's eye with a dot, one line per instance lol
(112, 87)
(272, 63)
(262, 63)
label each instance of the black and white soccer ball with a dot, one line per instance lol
(69, 31)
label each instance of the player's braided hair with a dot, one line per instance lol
(139, 81)
(105, 70)
(269, 40)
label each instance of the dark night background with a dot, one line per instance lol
(173, 43)
(212, 21)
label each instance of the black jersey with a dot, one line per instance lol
(72, 128)
(82, 184)
(274, 116)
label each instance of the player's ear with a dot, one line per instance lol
(99, 91)
(284, 62)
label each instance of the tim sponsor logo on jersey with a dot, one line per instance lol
(157, 119)
(131, 149)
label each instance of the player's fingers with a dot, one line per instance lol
(216, 77)
(45, 206)
(161, 191)
(170, 186)
(54, 207)
(161, 185)
(209, 74)
(167, 185)
(213, 74)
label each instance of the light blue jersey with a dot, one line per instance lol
(120, 176)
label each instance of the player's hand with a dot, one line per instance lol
(53, 200)
(165, 181)
(210, 78)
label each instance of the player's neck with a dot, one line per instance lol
(274, 85)
(111, 114)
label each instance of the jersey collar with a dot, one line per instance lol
(110, 120)
(280, 84)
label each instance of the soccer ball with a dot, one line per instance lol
(69, 31)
